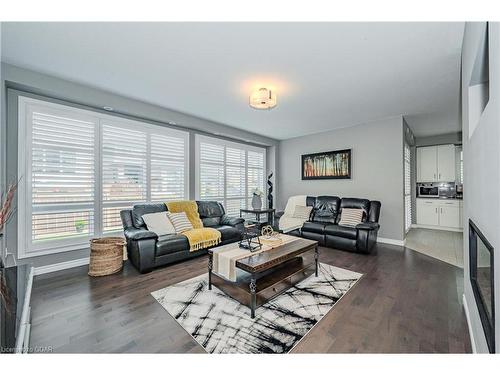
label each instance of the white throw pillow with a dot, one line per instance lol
(159, 223)
(350, 217)
(302, 212)
(180, 221)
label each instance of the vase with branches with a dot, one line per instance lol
(6, 209)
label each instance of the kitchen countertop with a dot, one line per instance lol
(442, 198)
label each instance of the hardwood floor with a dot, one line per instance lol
(406, 302)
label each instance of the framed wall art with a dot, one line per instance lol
(327, 165)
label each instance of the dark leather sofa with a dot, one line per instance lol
(323, 225)
(147, 251)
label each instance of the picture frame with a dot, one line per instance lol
(482, 279)
(328, 165)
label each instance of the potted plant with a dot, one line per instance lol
(80, 225)
(257, 199)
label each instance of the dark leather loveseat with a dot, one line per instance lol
(323, 225)
(147, 251)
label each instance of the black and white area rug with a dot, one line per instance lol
(222, 325)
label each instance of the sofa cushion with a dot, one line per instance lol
(145, 208)
(325, 209)
(340, 231)
(228, 233)
(180, 221)
(210, 213)
(159, 223)
(171, 243)
(313, 227)
(350, 217)
(363, 204)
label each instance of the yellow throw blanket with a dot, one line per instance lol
(199, 237)
(202, 238)
(191, 210)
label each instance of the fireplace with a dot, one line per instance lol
(481, 263)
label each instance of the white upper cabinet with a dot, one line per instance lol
(436, 164)
(427, 164)
(446, 163)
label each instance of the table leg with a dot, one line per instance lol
(253, 300)
(316, 258)
(210, 267)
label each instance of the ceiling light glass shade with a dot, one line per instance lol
(263, 99)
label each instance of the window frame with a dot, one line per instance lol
(229, 144)
(26, 248)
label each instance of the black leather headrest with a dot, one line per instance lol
(145, 208)
(208, 209)
(325, 209)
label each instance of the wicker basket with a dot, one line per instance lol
(106, 256)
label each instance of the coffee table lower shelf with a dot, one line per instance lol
(267, 284)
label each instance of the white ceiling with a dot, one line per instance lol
(326, 75)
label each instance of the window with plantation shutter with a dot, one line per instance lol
(407, 187)
(62, 180)
(124, 153)
(80, 168)
(228, 172)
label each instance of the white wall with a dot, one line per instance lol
(481, 165)
(377, 168)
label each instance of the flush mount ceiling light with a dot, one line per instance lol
(263, 98)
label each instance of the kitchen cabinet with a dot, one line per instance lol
(439, 213)
(427, 163)
(427, 212)
(446, 166)
(436, 163)
(449, 216)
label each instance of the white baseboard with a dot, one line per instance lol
(391, 241)
(467, 316)
(61, 266)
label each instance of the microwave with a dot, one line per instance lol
(428, 191)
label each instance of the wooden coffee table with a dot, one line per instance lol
(269, 273)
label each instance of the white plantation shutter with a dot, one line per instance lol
(124, 179)
(407, 187)
(236, 191)
(146, 165)
(62, 175)
(168, 168)
(256, 174)
(228, 172)
(123, 164)
(80, 168)
(211, 172)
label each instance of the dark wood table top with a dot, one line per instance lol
(271, 258)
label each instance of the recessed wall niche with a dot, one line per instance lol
(479, 85)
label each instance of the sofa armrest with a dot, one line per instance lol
(232, 221)
(368, 226)
(136, 234)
